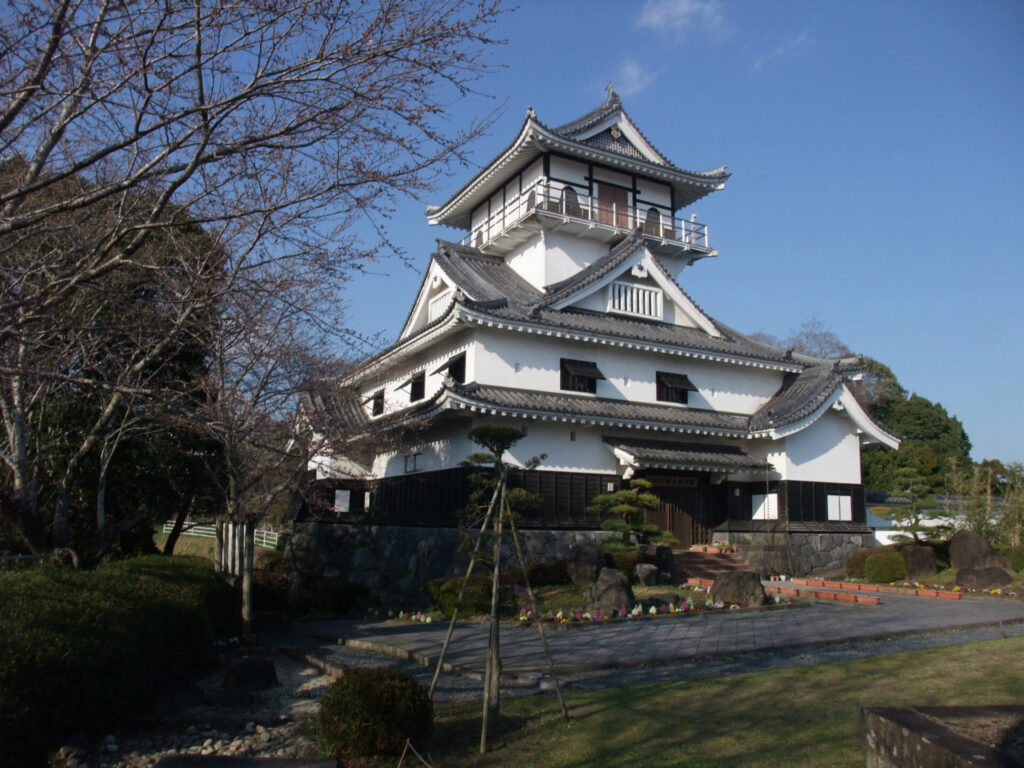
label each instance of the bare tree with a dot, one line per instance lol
(204, 147)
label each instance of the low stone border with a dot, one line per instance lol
(852, 586)
(922, 738)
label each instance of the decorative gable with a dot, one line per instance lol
(633, 286)
(437, 292)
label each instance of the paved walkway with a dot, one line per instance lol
(650, 641)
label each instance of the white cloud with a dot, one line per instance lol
(681, 15)
(790, 47)
(632, 78)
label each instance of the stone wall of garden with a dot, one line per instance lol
(396, 563)
(797, 554)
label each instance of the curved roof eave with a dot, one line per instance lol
(688, 185)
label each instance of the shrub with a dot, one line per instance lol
(625, 561)
(1016, 556)
(885, 566)
(82, 649)
(372, 711)
(855, 562)
(475, 601)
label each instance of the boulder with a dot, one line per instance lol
(982, 578)
(664, 558)
(738, 588)
(610, 592)
(969, 550)
(584, 563)
(920, 560)
(646, 574)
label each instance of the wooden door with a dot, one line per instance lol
(612, 205)
(686, 510)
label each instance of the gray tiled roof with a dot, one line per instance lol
(598, 410)
(654, 453)
(800, 395)
(489, 277)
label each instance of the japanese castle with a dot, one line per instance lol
(563, 312)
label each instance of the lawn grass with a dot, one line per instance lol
(805, 717)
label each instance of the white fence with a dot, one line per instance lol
(261, 536)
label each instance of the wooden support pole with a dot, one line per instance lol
(492, 675)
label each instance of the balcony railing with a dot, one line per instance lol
(564, 202)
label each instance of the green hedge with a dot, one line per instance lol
(81, 649)
(884, 567)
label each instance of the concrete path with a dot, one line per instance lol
(580, 648)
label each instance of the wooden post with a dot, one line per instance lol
(218, 526)
(492, 675)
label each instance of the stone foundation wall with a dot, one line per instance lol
(396, 563)
(796, 554)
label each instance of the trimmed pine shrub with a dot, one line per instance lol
(477, 599)
(855, 562)
(882, 567)
(372, 711)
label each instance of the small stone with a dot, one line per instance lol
(250, 727)
(266, 736)
(260, 729)
(205, 751)
(208, 743)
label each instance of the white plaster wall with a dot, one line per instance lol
(653, 192)
(826, 451)
(613, 177)
(442, 446)
(563, 169)
(566, 254)
(390, 378)
(587, 453)
(630, 374)
(527, 261)
(533, 173)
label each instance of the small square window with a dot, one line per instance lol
(673, 387)
(765, 506)
(411, 461)
(579, 376)
(456, 368)
(417, 386)
(377, 403)
(839, 508)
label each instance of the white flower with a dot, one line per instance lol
(653, 611)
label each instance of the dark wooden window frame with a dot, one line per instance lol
(579, 376)
(673, 387)
(417, 386)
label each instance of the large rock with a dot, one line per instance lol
(646, 573)
(610, 592)
(969, 550)
(982, 578)
(920, 560)
(738, 588)
(585, 562)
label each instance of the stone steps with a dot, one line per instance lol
(691, 563)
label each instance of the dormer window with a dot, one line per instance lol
(580, 376)
(674, 387)
(456, 368)
(633, 299)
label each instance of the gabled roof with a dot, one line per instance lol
(574, 139)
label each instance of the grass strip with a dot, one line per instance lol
(793, 718)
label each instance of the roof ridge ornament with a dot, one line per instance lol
(530, 113)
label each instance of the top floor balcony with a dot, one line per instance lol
(562, 208)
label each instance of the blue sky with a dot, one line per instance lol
(877, 153)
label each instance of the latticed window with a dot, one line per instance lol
(633, 299)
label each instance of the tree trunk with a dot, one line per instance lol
(248, 557)
(179, 523)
